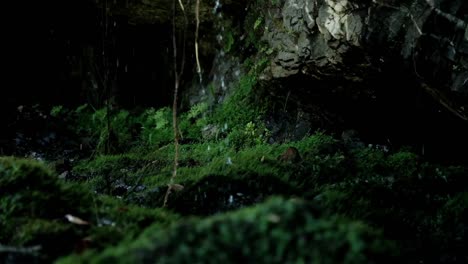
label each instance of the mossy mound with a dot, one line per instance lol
(449, 236)
(216, 177)
(412, 201)
(278, 231)
(33, 206)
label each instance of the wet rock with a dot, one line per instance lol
(316, 38)
(210, 132)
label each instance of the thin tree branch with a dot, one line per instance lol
(177, 76)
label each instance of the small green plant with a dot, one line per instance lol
(93, 125)
(56, 110)
(229, 42)
(251, 135)
(197, 110)
(156, 126)
(257, 23)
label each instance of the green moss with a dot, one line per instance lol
(241, 115)
(34, 203)
(408, 200)
(102, 130)
(279, 231)
(117, 221)
(52, 235)
(229, 42)
(29, 189)
(250, 174)
(397, 192)
(449, 234)
(404, 163)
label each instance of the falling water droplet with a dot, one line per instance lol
(217, 6)
(231, 199)
(223, 84)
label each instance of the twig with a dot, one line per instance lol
(33, 250)
(286, 101)
(460, 24)
(405, 10)
(177, 77)
(436, 94)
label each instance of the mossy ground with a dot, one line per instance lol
(339, 203)
(375, 198)
(278, 231)
(33, 206)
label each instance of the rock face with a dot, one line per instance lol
(320, 37)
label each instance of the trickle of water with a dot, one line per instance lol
(231, 199)
(200, 76)
(229, 161)
(217, 6)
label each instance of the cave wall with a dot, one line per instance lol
(394, 70)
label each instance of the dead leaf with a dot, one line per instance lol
(273, 218)
(176, 187)
(76, 220)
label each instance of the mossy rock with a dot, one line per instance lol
(33, 205)
(30, 190)
(116, 221)
(278, 231)
(410, 202)
(450, 230)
